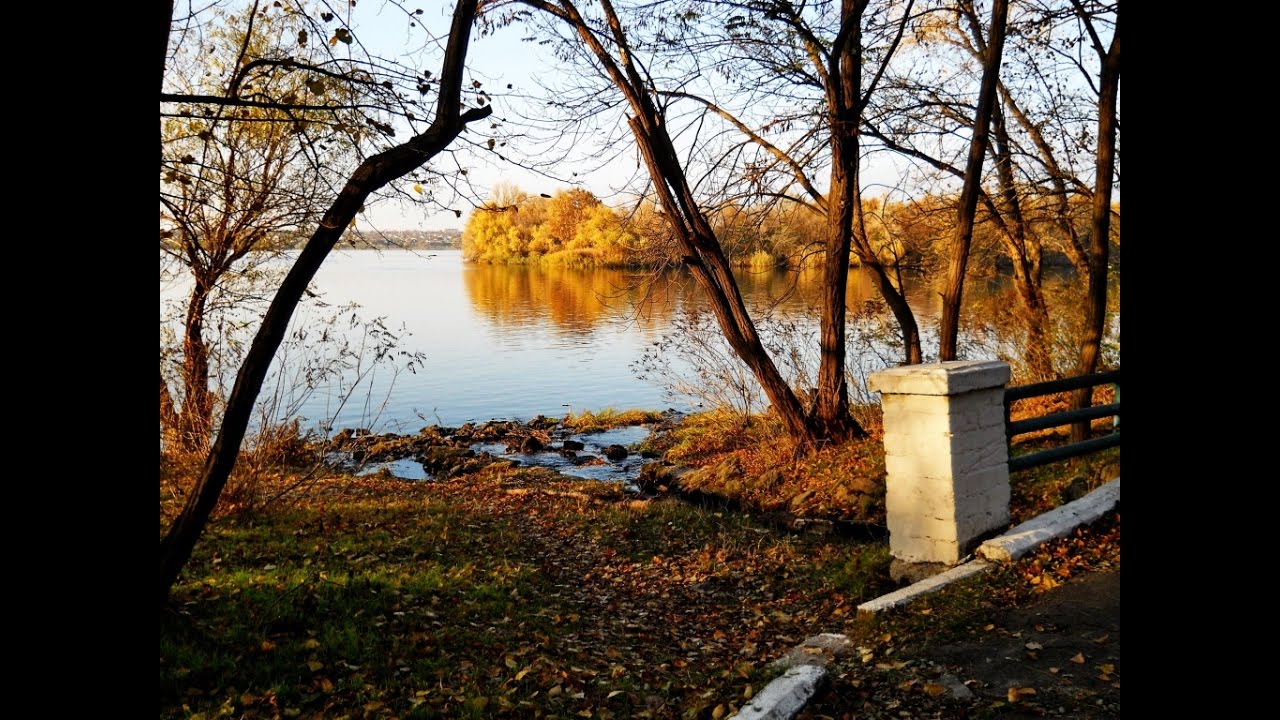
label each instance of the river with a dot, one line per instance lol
(514, 342)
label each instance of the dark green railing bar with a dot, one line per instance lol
(1043, 457)
(1066, 417)
(1022, 392)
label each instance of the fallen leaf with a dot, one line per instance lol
(1015, 693)
(315, 665)
(1107, 668)
(718, 712)
(1034, 646)
(935, 689)
(613, 694)
(1078, 659)
(311, 644)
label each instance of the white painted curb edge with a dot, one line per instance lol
(785, 696)
(924, 587)
(1052, 525)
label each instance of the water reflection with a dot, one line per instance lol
(577, 300)
(514, 342)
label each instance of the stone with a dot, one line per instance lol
(955, 688)
(819, 649)
(530, 444)
(902, 596)
(572, 445)
(616, 453)
(1077, 488)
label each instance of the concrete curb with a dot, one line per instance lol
(786, 696)
(924, 587)
(1051, 525)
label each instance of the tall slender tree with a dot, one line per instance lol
(963, 237)
(1100, 234)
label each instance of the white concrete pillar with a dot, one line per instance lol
(946, 456)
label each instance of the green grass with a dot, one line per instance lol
(512, 593)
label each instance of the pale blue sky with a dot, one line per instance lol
(496, 60)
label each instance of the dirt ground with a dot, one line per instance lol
(1058, 656)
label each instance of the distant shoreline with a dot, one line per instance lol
(449, 239)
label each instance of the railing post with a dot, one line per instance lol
(946, 456)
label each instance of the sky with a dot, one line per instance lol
(496, 59)
(500, 58)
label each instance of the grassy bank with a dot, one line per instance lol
(506, 593)
(517, 592)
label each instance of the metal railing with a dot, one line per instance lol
(1066, 417)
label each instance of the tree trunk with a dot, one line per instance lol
(372, 174)
(195, 417)
(902, 312)
(168, 417)
(831, 407)
(951, 297)
(892, 292)
(1100, 240)
(1024, 251)
(830, 412)
(1035, 314)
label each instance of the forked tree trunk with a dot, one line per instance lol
(830, 413)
